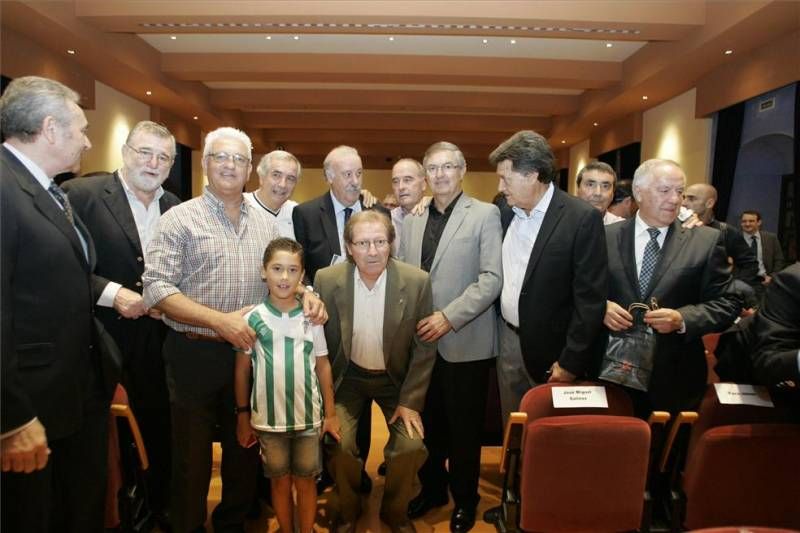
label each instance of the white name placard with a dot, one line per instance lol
(740, 394)
(583, 396)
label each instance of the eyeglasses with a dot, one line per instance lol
(145, 155)
(221, 158)
(379, 244)
(432, 170)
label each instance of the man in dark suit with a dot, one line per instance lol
(776, 328)
(122, 211)
(319, 228)
(554, 273)
(651, 257)
(374, 304)
(53, 439)
(765, 244)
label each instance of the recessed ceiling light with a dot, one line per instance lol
(268, 37)
(595, 124)
(148, 93)
(513, 41)
(728, 52)
(485, 41)
(563, 141)
(296, 37)
(644, 97)
(194, 117)
(71, 52)
(609, 45)
(173, 37)
(391, 38)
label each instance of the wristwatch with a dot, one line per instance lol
(241, 409)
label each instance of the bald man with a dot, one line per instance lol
(701, 198)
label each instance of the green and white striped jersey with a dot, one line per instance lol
(286, 394)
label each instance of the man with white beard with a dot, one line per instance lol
(122, 211)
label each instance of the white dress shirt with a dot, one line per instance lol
(517, 246)
(338, 209)
(368, 305)
(610, 218)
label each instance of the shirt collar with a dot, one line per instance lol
(642, 226)
(40, 175)
(378, 284)
(541, 206)
(215, 203)
(277, 312)
(338, 207)
(131, 194)
(450, 206)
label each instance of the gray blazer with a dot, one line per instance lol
(466, 275)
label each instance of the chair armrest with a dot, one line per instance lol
(123, 411)
(685, 419)
(512, 438)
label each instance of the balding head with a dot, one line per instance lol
(701, 198)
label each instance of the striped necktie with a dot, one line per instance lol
(61, 197)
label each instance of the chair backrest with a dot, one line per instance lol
(744, 474)
(538, 403)
(584, 473)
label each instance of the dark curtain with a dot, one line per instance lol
(726, 152)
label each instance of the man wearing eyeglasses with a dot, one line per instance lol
(457, 240)
(122, 211)
(377, 354)
(202, 271)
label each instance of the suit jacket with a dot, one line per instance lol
(771, 252)
(409, 360)
(692, 277)
(563, 298)
(745, 261)
(103, 205)
(466, 275)
(776, 330)
(315, 228)
(50, 366)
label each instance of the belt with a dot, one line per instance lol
(207, 338)
(512, 327)
(366, 370)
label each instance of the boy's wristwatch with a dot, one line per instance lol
(241, 409)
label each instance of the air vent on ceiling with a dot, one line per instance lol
(766, 105)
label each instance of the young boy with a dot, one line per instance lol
(291, 388)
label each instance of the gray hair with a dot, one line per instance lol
(416, 164)
(27, 101)
(266, 162)
(599, 166)
(644, 174)
(226, 133)
(333, 154)
(151, 128)
(528, 152)
(444, 146)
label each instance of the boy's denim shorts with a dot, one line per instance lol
(291, 452)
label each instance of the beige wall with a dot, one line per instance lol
(578, 157)
(671, 131)
(113, 116)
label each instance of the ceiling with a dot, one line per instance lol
(391, 77)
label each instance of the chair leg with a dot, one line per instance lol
(647, 513)
(677, 510)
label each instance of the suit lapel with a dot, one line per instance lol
(329, 227)
(551, 217)
(344, 305)
(673, 243)
(626, 244)
(393, 308)
(116, 200)
(456, 219)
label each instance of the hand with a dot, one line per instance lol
(314, 308)
(331, 425)
(25, 450)
(692, 222)
(433, 327)
(233, 328)
(411, 419)
(129, 304)
(767, 280)
(559, 375)
(155, 314)
(422, 205)
(244, 431)
(747, 311)
(617, 317)
(664, 320)
(368, 199)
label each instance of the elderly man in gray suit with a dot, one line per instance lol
(458, 241)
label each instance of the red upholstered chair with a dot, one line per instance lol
(742, 465)
(580, 469)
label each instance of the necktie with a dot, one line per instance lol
(754, 244)
(649, 260)
(347, 212)
(61, 197)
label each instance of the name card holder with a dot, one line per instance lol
(579, 396)
(741, 394)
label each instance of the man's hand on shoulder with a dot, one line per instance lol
(129, 303)
(26, 450)
(368, 199)
(422, 205)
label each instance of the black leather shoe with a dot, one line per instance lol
(366, 483)
(493, 515)
(420, 505)
(462, 519)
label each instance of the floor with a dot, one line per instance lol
(435, 521)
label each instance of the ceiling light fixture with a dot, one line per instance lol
(268, 37)
(391, 38)
(728, 52)
(644, 97)
(485, 41)
(595, 124)
(148, 93)
(71, 52)
(296, 37)
(609, 45)
(563, 141)
(194, 117)
(513, 41)
(173, 37)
